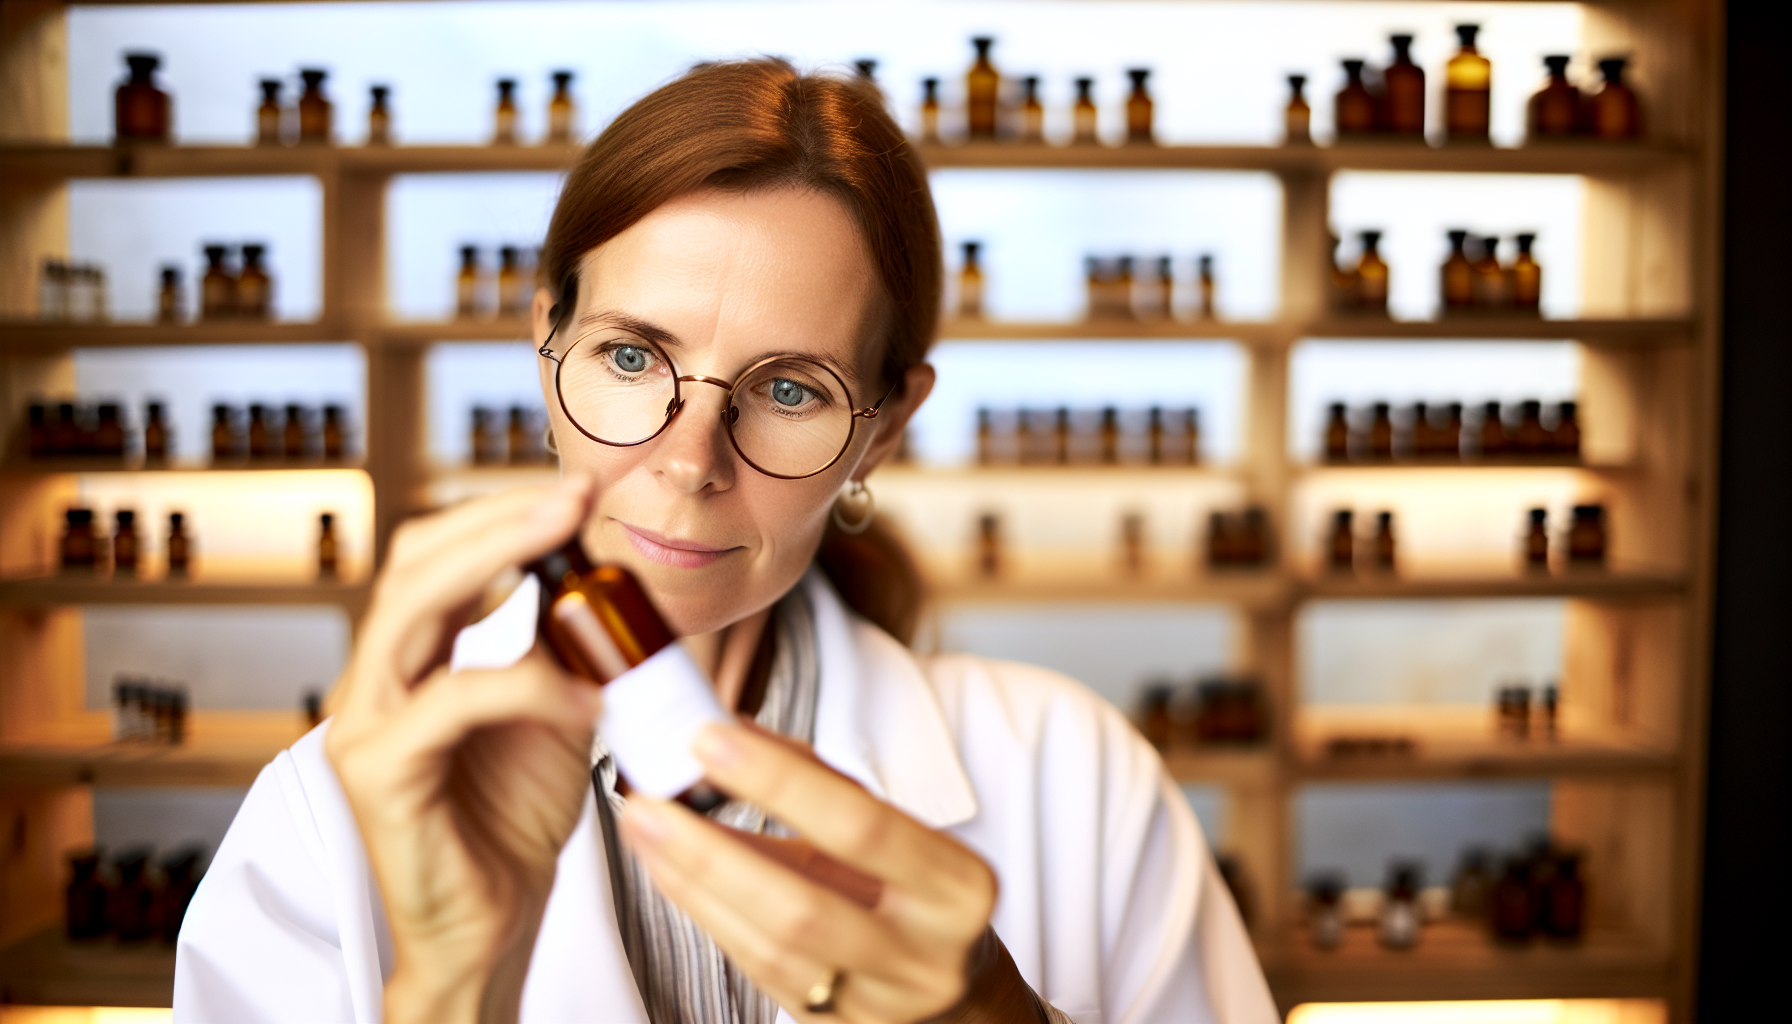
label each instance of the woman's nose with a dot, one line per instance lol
(694, 452)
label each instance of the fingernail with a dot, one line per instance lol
(719, 746)
(646, 825)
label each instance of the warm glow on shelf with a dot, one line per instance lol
(1492, 1011)
(85, 1015)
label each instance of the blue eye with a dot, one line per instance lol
(629, 359)
(789, 392)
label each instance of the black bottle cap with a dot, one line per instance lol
(970, 251)
(1138, 76)
(1530, 407)
(1491, 409)
(332, 413)
(65, 412)
(1110, 416)
(220, 413)
(1589, 511)
(1402, 43)
(1613, 69)
(170, 277)
(469, 255)
(930, 88)
(1457, 238)
(551, 568)
(108, 412)
(326, 520)
(1163, 267)
(1206, 263)
(1381, 410)
(142, 65)
(313, 77)
(1343, 516)
(1326, 889)
(252, 254)
(294, 411)
(516, 415)
(983, 43)
(1566, 410)
(1336, 409)
(1353, 68)
(1125, 265)
(125, 518)
(257, 412)
(380, 92)
(507, 255)
(1465, 34)
(1083, 86)
(1539, 516)
(506, 88)
(562, 79)
(1384, 519)
(79, 517)
(270, 90)
(1526, 239)
(1297, 83)
(1371, 239)
(176, 520)
(1031, 85)
(36, 413)
(867, 68)
(1557, 63)
(215, 254)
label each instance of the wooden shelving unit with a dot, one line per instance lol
(1626, 771)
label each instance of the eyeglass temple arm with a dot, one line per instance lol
(872, 412)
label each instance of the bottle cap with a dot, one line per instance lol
(1083, 85)
(970, 251)
(80, 517)
(270, 90)
(216, 253)
(1354, 69)
(313, 77)
(1457, 238)
(1613, 69)
(867, 69)
(252, 254)
(176, 520)
(126, 518)
(1342, 517)
(380, 92)
(1539, 516)
(326, 520)
(1589, 511)
(1297, 83)
(1465, 34)
(982, 43)
(141, 65)
(930, 87)
(1566, 410)
(1138, 76)
(564, 78)
(1526, 239)
(1557, 65)
(1402, 43)
(506, 86)
(1371, 239)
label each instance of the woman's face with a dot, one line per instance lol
(722, 281)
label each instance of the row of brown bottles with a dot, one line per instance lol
(1344, 551)
(227, 292)
(84, 549)
(1362, 287)
(80, 430)
(518, 442)
(1214, 711)
(1512, 712)
(1540, 893)
(1440, 432)
(268, 433)
(1088, 437)
(1472, 279)
(992, 113)
(71, 292)
(1239, 539)
(144, 710)
(308, 121)
(132, 897)
(481, 292)
(1561, 111)
(1121, 288)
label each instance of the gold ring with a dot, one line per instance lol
(821, 994)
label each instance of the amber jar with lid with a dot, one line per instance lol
(1341, 544)
(1381, 433)
(292, 432)
(1138, 108)
(254, 289)
(1536, 540)
(126, 548)
(1372, 275)
(1564, 438)
(333, 433)
(326, 546)
(1613, 113)
(504, 118)
(982, 83)
(1297, 116)
(989, 544)
(1083, 116)
(1587, 536)
(79, 548)
(1345, 290)
(1353, 111)
(1492, 292)
(562, 111)
(1403, 93)
(1204, 284)
(1531, 437)
(168, 299)
(261, 435)
(1494, 442)
(1337, 434)
(466, 284)
(1457, 277)
(970, 284)
(270, 115)
(930, 110)
(1468, 90)
(217, 289)
(1384, 541)
(379, 117)
(142, 112)
(316, 115)
(223, 434)
(510, 283)
(155, 434)
(1032, 112)
(1553, 113)
(1527, 277)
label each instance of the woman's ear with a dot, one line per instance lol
(892, 419)
(541, 315)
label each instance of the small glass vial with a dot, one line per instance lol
(1353, 110)
(1297, 117)
(180, 545)
(1155, 722)
(1123, 286)
(1536, 541)
(1549, 703)
(1337, 434)
(561, 111)
(981, 85)
(866, 67)
(989, 544)
(930, 111)
(985, 437)
(326, 546)
(504, 123)
(1132, 542)
(466, 284)
(1191, 436)
(1613, 114)
(1564, 899)
(1083, 116)
(1346, 287)
(37, 431)
(1154, 434)
(52, 290)
(1530, 437)
(223, 434)
(1403, 93)
(1372, 276)
(1587, 536)
(269, 115)
(1110, 436)
(79, 548)
(1527, 278)
(1341, 545)
(1138, 109)
(133, 901)
(1564, 439)
(1492, 291)
(1553, 112)
(1399, 925)
(1204, 287)
(379, 117)
(1381, 433)
(1468, 90)
(1494, 443)
(1032, 112)
(510, 283)
(125, 546)
(970, 284)
(87, 900)
(168, 298)
(292, 432)
(217, 290)
(254, 289)
(1512, 911)
(315, 112)
(1060, 455)
(333, 433)
(1468, 890)
(1327, 913)
(600, 624)
(261, 437)
(142, 112)
(1457, 277)
(1451, 443)
(485, 451)
(108, 432)
(1152, 302)
(1384, 541)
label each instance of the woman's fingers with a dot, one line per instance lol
(845, 821)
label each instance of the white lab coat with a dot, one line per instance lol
(1110, 903)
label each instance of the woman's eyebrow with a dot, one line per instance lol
(632, 324)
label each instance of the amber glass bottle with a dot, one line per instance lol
(518, 439)
(168, 297)
(155, 434)
(1337, 434)
(1492, 291)
(1192, 436)
(1530, 437)
(930, 110)
(1586, 536)
(1354, 109)
(269, 115)
(1138, 108)
(1032, 112)
(142, 112)
(1083, 116)
(970, 284)
(1381, 433)
(1527, 277)
(1450, 441)
(1564, 439)
(1372, 276)
(1457, 277)
(79, 545)
(254, 289)
(1341, 545)
(1297, 117)
(108, 433)
(981, 85)
(292, 432)
(125, 546)
(1613, 113)
(223, 434)
(1110, 436)
(989, 544)
(1468, 90)
(261, 439)
(1132, 542)
(504, 123)
(1154, 434)
(1346, 286)
(1403, 93)
(180, 545)
(1536, 540)
(1564, 899)
(1204, 281)
(1512, 906)
(510, 283)
(561, 110)
(1384, 541)
(333, 433)
(866, 68)
(326, 546)
(1154, 291)
(1494, 443)
(217, 290)
(466, 284)
(315, 112)
(379, 118)
(1061, 437)
(1554, 110)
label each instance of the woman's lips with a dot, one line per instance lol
(679, 554)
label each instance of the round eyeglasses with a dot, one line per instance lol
(787, 416)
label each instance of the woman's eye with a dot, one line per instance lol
(629, 359)
(789, 393)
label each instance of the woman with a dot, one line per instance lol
(740, 284)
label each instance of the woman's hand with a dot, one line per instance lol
(465, 785)
(924, 949)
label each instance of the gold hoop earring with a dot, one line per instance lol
(861, 508)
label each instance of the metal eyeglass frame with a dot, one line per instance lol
(730, 411)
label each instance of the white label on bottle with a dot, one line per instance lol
(651, 714)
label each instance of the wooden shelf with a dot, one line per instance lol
(49, 467)
(1516, 463)
(1456, 960)
(222, 748)
(1568, 158)
(423, 332)
(1240, 767)
(48, 335)
(1029, 577)
(47, 969)
(1589, 583)
(1462, 743)
(1601, 333)
(77, 589)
